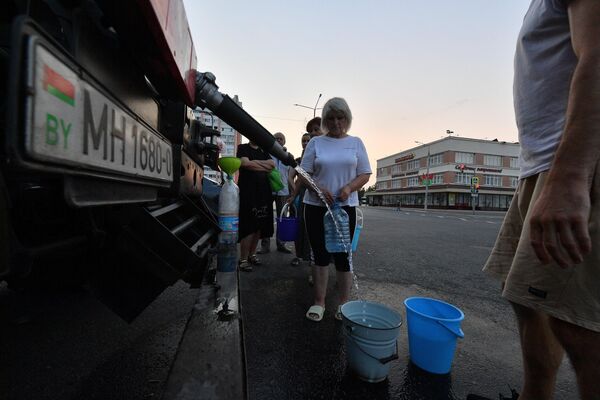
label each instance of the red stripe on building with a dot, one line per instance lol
(53, 78)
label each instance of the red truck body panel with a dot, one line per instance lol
(169, 25)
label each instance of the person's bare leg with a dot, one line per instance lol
(254, 243)
(245, 245)
(320, 279)
(542, 353)
(583, 348)
(344, 283)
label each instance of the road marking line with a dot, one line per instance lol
(441, 216)
(490, 222)
(462, 219)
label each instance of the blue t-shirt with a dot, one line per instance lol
(334, 163)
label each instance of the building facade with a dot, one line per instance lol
(230, 138)
(449, 170)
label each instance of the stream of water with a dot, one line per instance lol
(347, 246)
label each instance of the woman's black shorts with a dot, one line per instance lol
(313, 218)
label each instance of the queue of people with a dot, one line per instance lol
(339, 166)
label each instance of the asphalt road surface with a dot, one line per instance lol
(66, 345)
(405, 253)
(440, 254)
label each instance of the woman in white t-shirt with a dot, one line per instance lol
(339, 165)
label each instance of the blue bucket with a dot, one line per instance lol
(371, 331)
(433, 327)
(287, 227)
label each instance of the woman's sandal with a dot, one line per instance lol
(254, 260)
(245, 266)
(315, 313)
(338, 313)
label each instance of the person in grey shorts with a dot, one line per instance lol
(547, 254)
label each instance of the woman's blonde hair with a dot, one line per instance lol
(335, 104)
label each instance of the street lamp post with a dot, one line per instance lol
(426, 173)
(311, 108)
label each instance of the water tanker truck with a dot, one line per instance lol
(101, 159)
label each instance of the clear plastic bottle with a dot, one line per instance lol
(229, 206)
(337, 241)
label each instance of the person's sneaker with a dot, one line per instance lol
(263, 251)
(295, 262)
(284, 249)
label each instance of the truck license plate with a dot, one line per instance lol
(72, 122)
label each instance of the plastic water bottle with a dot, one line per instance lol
(357, 228)
(229, 208)
(333, 242)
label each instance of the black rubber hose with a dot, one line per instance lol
(230, 112)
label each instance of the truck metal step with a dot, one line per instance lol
(176, 232)
(160, 245)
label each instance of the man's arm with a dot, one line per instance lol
(270, 164)
(256, 165)
(290, 179)
(559, 219)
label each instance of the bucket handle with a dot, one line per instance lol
(285, 208)
(454, 329)
(359, 217)
(383, 360)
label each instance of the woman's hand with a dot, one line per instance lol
(345, 192)
(289, 200)
(328, 196)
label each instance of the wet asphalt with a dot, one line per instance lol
(405, 253)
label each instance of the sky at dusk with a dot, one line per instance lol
(410, 70)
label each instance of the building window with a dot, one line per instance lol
(514, 162)
(396, 184)
(462, 178)
(436, 159)
(414, 164)
(383, 185)
(464, 158)
(514, 181)
(494, 161)
(438, 179)
(395, 169)
(414, 181)
(493, 180)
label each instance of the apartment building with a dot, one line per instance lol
(229, 136)
(448, 165)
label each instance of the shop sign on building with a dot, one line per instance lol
(463, 167)
(405, 158)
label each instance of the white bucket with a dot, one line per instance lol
(371, 331)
